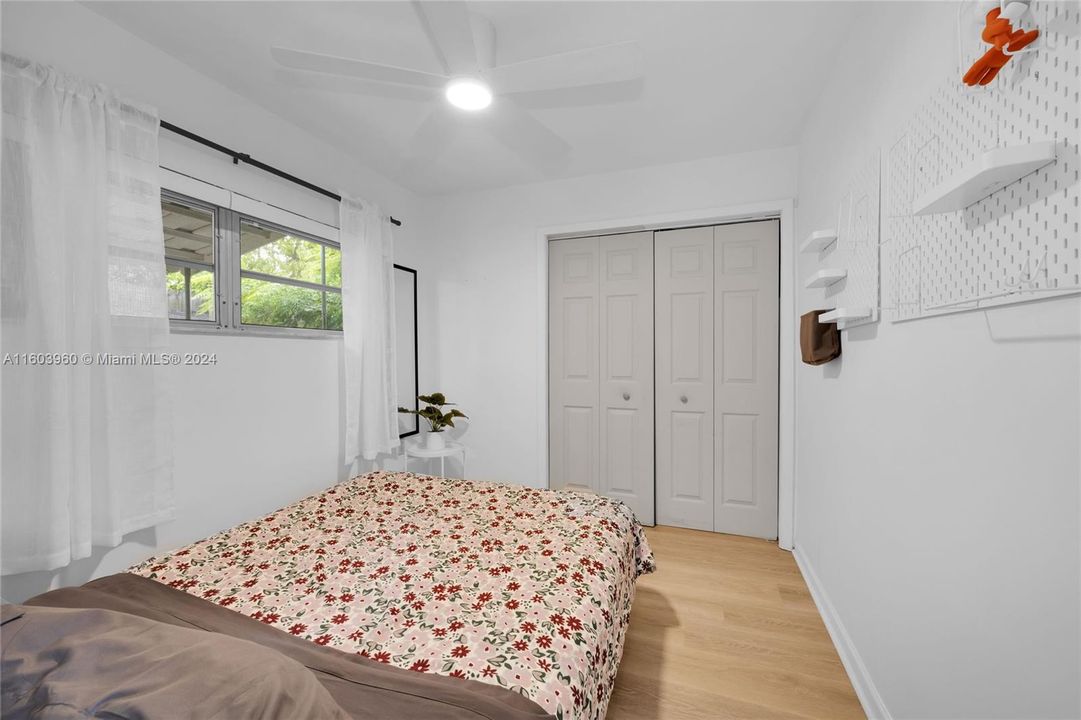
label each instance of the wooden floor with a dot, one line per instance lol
(727, 629)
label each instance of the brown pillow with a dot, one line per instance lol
(819, 342)
(67, 663)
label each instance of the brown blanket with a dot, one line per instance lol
(61, 663)
(362, 688)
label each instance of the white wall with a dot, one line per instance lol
(485, 315)
(937, 461)
(262, 428)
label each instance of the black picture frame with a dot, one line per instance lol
(416, 350)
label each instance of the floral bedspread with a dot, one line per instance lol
(528, 589)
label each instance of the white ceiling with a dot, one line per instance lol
(720, 77)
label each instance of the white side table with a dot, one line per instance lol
(416, 449)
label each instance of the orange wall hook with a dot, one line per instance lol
(998, 32)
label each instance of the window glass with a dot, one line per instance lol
(272, 252)
(177, 295)
(334, 267)
(334, 311)
(286, 279)
(279, 305)
(190, 292)
(189, 260)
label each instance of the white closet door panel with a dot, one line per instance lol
(737, 458)
(579, 442)
(621, 430)
(579, 348)
(573, 366)
(688, 315)
(626, 370)
(684, 316)
(691, 477)
(745, 458)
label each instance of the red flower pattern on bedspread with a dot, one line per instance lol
(528, 589)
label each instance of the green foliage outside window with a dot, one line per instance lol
(202, 293)
(269, 303)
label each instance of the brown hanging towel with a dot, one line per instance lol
(819, 342)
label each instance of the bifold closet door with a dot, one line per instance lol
(684, 355)
(626, 376)
(601, 367)
(747, 262)
(573, 365)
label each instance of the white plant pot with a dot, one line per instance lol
(435, 441)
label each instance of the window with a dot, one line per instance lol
(189, 260)
(227, 271)
(287, 280)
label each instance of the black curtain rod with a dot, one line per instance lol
(239, 157)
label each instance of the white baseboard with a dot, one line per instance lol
(865, 688)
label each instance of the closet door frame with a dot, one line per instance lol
(782, 209)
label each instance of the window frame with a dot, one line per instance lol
(187, 324)
(228, 274)
(238, 274)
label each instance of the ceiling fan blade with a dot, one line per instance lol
(526, 136)
(447, 24)
(316, 62)
(352, 86)
(483, 40)
(584, 96)
(592, 66)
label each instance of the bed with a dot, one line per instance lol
(526, 589)
(123, 646)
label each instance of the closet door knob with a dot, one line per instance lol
(683, 399)
(626, 396)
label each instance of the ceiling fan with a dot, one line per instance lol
(465, 44)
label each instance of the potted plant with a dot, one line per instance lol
(437, 419)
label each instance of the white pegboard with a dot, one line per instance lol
(1029, 229)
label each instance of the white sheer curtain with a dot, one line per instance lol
(86, 445)
(371, 420)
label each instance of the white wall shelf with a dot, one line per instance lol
(846, 315)
(991, 171)
(818, 240)
(826, 277)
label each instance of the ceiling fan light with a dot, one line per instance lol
(469, 94)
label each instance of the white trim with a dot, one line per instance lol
(873, 705)
(786, 382)
(232, 200)
(193, 188)
(273, 214)
(785, 210)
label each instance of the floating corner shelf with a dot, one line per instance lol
(846, 315)
(990, 172)
(818, 240)
(824, 278)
